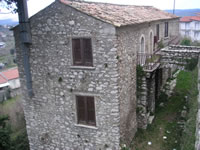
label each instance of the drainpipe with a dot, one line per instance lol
(25, 41)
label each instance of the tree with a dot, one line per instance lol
(186, 42)
(5, 141)
(10, 4)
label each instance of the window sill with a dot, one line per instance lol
(166, 38)
(83, 67)
(86, 126)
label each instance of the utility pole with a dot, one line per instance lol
(174, 7)
(25, 41)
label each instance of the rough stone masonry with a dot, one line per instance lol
(51, 114)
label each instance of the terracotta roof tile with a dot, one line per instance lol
(119, 15)
(2, 79)
(10, 74)
(190, 18)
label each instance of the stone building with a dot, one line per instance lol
(83, 62)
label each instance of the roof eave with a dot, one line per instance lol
(148, 21)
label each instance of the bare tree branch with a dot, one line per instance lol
(10, 5)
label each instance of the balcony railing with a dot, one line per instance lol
(149, 62)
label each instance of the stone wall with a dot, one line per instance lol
(177, 56)
(51, 114)
(127, 84)
(129, 44)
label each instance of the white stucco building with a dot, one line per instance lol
(190, 27)
(10, 78)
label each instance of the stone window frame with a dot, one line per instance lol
(71, 54)
(140, 50)
(151, 40)
(142, 54)
(76, 113)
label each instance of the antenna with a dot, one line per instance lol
(174, 7)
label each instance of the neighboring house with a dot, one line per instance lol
(190, 27)
(83, 62)
(4, 89)
(2, 44)
(12, 77)
(9, 80)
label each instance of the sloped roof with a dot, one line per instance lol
(9, 74)
(119, 15)
(190, 18)
(2, 80)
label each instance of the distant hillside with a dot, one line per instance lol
(185, 12)
(8, 22)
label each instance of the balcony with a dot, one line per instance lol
(149, 62)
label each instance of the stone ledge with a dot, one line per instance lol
(82, 67)
(86, 126)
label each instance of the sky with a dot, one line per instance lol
(36, 5)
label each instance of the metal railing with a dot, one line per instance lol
(149, 62)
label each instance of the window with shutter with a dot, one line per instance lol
(82, 52)
(76, 46)
(166, 29)
(80, 101)
(85, 110)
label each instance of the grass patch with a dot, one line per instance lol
(188, 137)
(168, 121)
(13, 108)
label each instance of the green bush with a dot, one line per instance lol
(186, 42)
(5, 141)
(161, 45)
(20, 141)
(191, 64)
(12, 140)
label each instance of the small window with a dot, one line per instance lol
(82, 52)
(142, 48)
(166, 29)
(85, 110)
(157, 31)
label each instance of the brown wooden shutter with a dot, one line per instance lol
(86, 110)
(87, 49)
(81, 109)
(76, 48)
(91, 111)
(155, 40)
(166, 29)
(157, 31)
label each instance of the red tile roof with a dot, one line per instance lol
(2, 79)
(190, 18)
(9, 75)
(119, 15)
